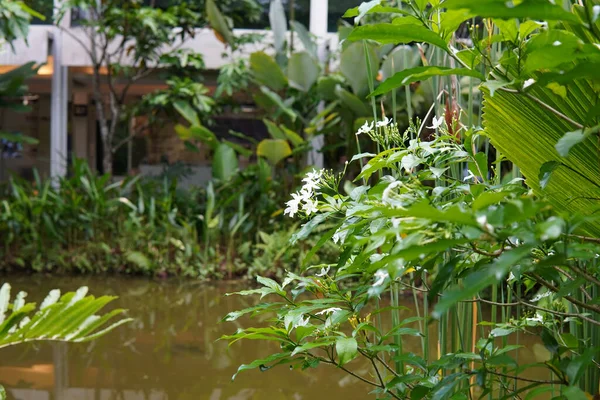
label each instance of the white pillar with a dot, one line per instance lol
(58, 110)
(319, 12)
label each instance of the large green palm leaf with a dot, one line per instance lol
(71, 317)
(527, 132)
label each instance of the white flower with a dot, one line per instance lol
(292, 207)
(426, 147)
(305, 194)
(528, 83)
(323, 272)
(310, 185)
(383, 123)
(511, 277)
(314, 175)
(437, 172)
(557, 43)
(483, 222)
(380, 276)
(302, 322)
(436, 122)
(366, 128)
(329, 310)
(310, 207)
(538, 318)
(470, 176)
(387, 192)
(410, 161)
(540, 296)
(595, 13)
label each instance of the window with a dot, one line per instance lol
(44, 7)
(301, 10)
(337, 8)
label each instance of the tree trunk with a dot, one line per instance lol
(107, 157)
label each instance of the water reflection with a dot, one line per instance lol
(170, 351)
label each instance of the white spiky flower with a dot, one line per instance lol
(436, 122)
(384, 122)
(380, 276)
(328, 311)
(366, 128)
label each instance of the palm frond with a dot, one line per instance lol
(70, 317)
(524, 129)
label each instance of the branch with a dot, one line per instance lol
(573, 300)
(586, 238)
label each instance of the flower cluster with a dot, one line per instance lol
(303, 200)
(369, 128)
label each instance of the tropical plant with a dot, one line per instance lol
(67, 318)
(437, 216)
(14, 24)
(87, 223)
(128, 41)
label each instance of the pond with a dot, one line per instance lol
(170, 352)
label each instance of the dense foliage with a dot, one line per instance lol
(86, 223)
(437, 216)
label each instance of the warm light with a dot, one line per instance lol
(48, 68)
(6, 68)
(43, 368)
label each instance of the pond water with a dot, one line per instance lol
(170, 351)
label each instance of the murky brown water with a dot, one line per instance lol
(170, 352)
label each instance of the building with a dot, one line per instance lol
(63, 117)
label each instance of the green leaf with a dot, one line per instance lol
(278, 358)
(364, 9)
(266, 71)
(486, 199)
(347, 350)
(2, 393)
(139, 259)
(570, 139)
(416, 74)
(501, 360)
(572, 189)
(326, 342)
(18, 138)
(67, 318)
(278, 22)
(402, 57)
(574, 393)
(549, 50)
(493, 85)
(352, 102)
(354, 12)
(218, 22)
(225, 162)
(187, 111)
(479, 166)
(274, 150)
(304, 35)
(303, 71)
(324, 239)
(278, 102)
(479, 280)
(353, 67)
(538, 10)
(293, 137)
(578, 365)
(546, 171)
(274, 130)
(397, 33)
